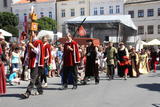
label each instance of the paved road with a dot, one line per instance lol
(135, 92)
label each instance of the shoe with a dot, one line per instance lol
(125, 78)
(45, 85)
(96, 83)
(74, 87)
(25, 96)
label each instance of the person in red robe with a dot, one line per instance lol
(71, 57)
(36, 65)
(2, 72)
(47, 59)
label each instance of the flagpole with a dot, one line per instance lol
(79, 27)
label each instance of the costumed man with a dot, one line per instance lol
(36, 64)
(111, 55)
(91, 68)
(2, 72)
(123, 60)
(71, 57)
(47, 59)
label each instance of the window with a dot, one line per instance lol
(158, 29)
(82, 11)
(110, 9)
(72, 12)
(63, 14)
(42, 14)
(25, 14)
(150, 29)
(50, 14)
(95, 11)
(5, 4)
(158, 11)
(101, 10)
(150, 12)
(140, 13)
(131, 13)
(140, 30)
(117, 9)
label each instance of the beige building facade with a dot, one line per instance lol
(5, 5)
(70, 9)
(146, 16)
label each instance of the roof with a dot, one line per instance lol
(28, 1)
(123, 19)
(139, 1)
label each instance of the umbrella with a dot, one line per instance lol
(154, 42)
(5, 33)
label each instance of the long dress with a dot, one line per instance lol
(134, 65)
(143, 63)
(2, 79)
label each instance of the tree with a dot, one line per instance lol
(46, 23)
(11, 29)
(9, 22)
(8, 19)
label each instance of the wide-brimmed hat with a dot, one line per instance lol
(121, 43)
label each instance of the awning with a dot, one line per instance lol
(5, 33)
(154, 42)
(123, 19)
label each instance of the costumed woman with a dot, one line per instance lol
(123, 61)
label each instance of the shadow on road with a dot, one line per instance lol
(150, 87)
(11, 95)
(156, 105)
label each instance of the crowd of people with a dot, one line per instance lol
(41, 59)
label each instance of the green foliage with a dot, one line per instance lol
(9, 22)
(46, 23)
(13, 30)
(7, 18)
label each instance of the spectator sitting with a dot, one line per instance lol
(13, 78)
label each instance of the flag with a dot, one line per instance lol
(81, 31)
(25, 24)
(23, 36)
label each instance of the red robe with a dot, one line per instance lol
(32, 55)
(2, 79)
(70, 58)
(47, 52)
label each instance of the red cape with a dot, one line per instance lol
(2, 79)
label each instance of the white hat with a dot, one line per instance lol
(1, 37)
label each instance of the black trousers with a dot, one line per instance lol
(73, 71)
(110, 72)
(44, 75)
(35, 80)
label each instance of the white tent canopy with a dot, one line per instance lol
(50, 34)
(154, 42)
(5, 33)
(123, 19)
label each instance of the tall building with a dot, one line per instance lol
(70, 9)
(43, 8)
(5, 5)
(107, 7)
(146, 16)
